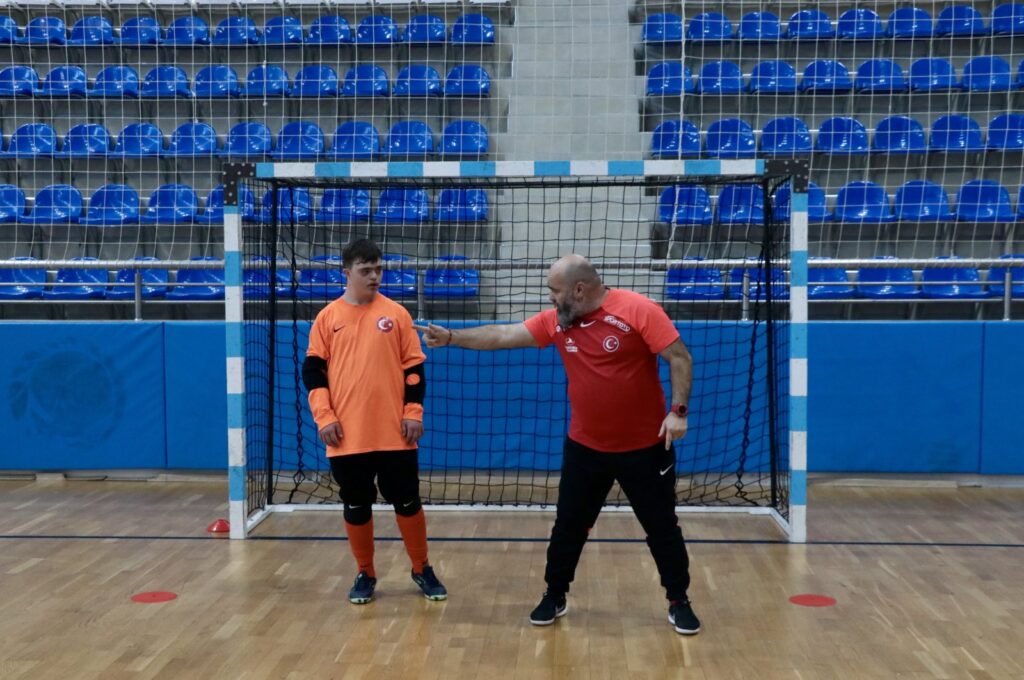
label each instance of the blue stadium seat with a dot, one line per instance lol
(321, 283)
(685, 204)
(268, 80)
(293, 205)
(402, 206)
(45, 30)
(410, 138)
(720, 77)
(344, 206)
(141, 32)
(187, 31)
(758, 290)
(669, 79)
(92, 31)
(418, 80)
(366, 80)
(730, 138)
(1020, 75)
(467, 80)
(18, 81)
(397, 283)
(887, 283)
(810, 24)
(922, 201)
(217, 81)
(299, 140)
(214, 211)
(200, 284)
(9, 31)
(760, 27)
(986, 74)
(786, 136)
(773, 76)
(355, 140)
(165, 82)
(675, 139)
(425, 29)
(283, 31)
(828, 283)
(960, 21)
(663, 28)
(709, 27)
(859, 24)
(329, 30)
(997, 278)
(955, 133)
(115, 82)
(826, 76)
(461, 205)
(12, 203)
(909, 22)
(193, 140)
(863, 202)
(315, 80)
(236, 31)
(79, 284)
(464, 139)
(1006, 132)
(741, 204)
(1008, 19)
(154, 282)
(983, 200)
(256, 278)
(817, 209)
(473, 29)
(55, 204)
(933, 75)
(952, 283)
(28, 282)
(85, 140)
(111, 205)
(880, 75)
(377, 30)
(31, 140)
(249, 140)
(842, 136)
(171, 204)
(64, 81)
(899, 134)
(451, 282)
(694, 283)
(139, 140)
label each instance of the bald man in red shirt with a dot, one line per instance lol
(610, 341)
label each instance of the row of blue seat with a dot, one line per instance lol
(241, 31)
(853, 24)
(857, 202)
(840, 135)
(297, 140)
(315, 283)
(119, 204)
(829, 76)
(268, 80)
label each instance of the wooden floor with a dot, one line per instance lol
(929, 584)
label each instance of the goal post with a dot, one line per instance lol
(469, 243)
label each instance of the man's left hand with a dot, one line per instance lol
(412, 430)
(672, 428)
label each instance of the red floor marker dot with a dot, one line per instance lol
(809, 600)
(154, 596)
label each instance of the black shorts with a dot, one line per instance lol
(396, 474)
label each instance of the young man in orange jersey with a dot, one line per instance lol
(364, 373)
(610, 341)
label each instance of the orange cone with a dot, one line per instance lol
(219, 528)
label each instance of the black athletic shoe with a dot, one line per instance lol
(682, 618)
(551, 607)
(362, 590)
(432, 588)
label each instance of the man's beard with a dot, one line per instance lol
(566, 316)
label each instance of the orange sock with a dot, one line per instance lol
(414, 535)
(360, 540)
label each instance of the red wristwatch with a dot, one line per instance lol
(680, 410)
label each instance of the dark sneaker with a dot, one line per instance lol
(551, 607)
(362, 590)
(682, 618)
(432, 588)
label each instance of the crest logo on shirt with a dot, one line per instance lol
(570, 345)
(385, 324)
(618, 323)
(610, 344)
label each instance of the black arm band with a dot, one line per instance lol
(415, 388)
(314, 373)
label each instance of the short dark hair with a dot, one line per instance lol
(361, 250)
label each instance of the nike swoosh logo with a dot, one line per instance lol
(662, 472)
(354, 507)
(405, 505)
(584, 324)
(338, 328)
